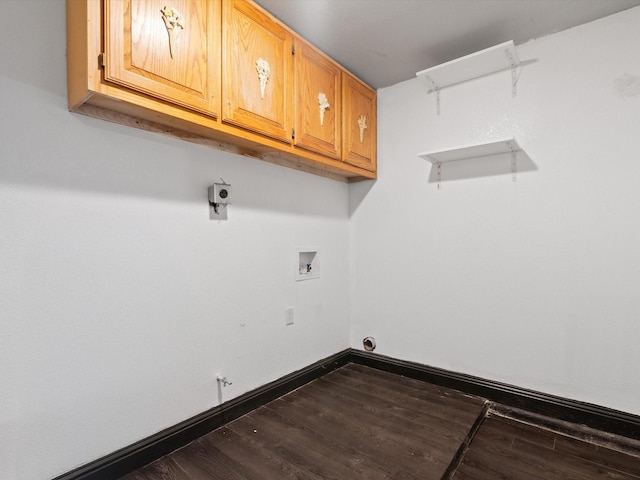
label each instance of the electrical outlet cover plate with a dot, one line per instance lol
(288, 315)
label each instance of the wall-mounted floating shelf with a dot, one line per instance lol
(466, 152)
(478, 64)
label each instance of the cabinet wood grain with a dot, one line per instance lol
(318, 102)
(359, 128)
(257, 69)
(169, 53)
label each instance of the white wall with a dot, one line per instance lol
(120, 299)
(533, 283)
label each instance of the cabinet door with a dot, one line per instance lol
(317, 100)
(359, 123)
(257, 78)
(170, 50)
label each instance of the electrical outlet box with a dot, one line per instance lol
(220, 193)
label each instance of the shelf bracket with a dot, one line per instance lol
(514, 71)
(514, 164)
(433, 87)
(439, 173)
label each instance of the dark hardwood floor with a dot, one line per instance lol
(506, 448)
(362, 423)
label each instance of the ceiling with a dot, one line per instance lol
(387, 41)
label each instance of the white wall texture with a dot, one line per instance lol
(120, 299)
(533, 283)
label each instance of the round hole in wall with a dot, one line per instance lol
(369, 344)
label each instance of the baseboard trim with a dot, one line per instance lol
(594, 416)
(125, 460)
(132, 457)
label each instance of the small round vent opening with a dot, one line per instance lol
(369, 344)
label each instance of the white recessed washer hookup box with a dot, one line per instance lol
(308, 263)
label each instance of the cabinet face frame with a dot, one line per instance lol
(180, 64)
(317, 123)
(251, 38)
(359, 105)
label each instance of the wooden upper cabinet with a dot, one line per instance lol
(168, 50)
(317, 100)
(359, 123)
(222, 73)
(258, 70)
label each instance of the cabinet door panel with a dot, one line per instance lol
(359, 124)
(257, 75)
(318, 112)
(166, 50)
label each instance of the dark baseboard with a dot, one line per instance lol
(125, 460)
(593, 416)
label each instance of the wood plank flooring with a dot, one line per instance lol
(354, 423)
(358, 423)
(505, 448)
